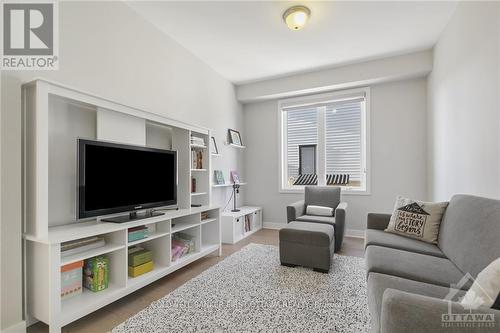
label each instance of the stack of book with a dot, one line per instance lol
(196, 140)
(71, 279)
(197, 159)
(140, 261)
(182, 244)
(137, 233)
(204, 216)
(248, 225)
(81, 245)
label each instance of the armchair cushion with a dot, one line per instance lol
(319, 210)
(326, 196)
(318, 219)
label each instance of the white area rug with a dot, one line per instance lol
(251, 292)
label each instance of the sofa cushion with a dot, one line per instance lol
(417, 219)
(317, 219)
(381, 238)
(413, 266)
(470, 232)
(318, 234)
(378, 283)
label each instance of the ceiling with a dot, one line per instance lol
(248, 41)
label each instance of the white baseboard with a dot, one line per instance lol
(348, 233)
(17, 328)
(355, 233)
(273, 225)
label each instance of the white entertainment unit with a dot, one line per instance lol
(54, 116)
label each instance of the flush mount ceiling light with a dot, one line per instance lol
(296, 17)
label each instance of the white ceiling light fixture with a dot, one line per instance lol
(296, 17)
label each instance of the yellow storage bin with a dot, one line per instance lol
(141, 269)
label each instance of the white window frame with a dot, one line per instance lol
(321, 154)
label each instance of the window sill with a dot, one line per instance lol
(348, 192)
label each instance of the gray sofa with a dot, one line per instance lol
(409, 281)
(326, 196)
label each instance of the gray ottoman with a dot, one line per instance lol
(307, 244)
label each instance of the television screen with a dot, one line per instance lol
(114, 178)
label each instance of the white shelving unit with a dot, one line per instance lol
(233, 224)
(54, 117)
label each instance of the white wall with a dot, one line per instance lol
(107, 49)
(398, 153)
(464, 107)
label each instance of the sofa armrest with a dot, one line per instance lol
(404, 312)
(295, 210)
(377, 221)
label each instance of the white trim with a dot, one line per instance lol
(321, 98)
(355, 233)
(16, 328)
(273, 225)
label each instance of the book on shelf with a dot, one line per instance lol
(204, 216)
(196, 140)
(137, 233)
(248, 226)
(196, 159)
(81, 245)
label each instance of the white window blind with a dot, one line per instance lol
(343, 143)
(301, 129)
(336, 126)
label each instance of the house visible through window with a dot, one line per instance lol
(324, 141)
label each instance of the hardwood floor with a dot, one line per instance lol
(110, 316)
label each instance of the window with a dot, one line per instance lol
(324, 141)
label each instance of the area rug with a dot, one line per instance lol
(250, 292)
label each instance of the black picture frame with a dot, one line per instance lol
(214, 150)
(232, 134)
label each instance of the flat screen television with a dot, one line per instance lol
(115, 178)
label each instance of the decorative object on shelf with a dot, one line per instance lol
(137, 233)
(182, 244)
(235, 178)
(214, 149)
(234, 137)
(140, 261)
(196, 159)
(193, 185)
(71, 279)
(236, 191)
(81, 245)
(204, 216)
(96, 273)
(198, 141)
(219, 177)
(138, 255)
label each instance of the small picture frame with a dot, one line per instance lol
(214, 149)
(234, 137)
(219, 177)
(235, 178)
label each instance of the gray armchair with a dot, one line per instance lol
(326, 196)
